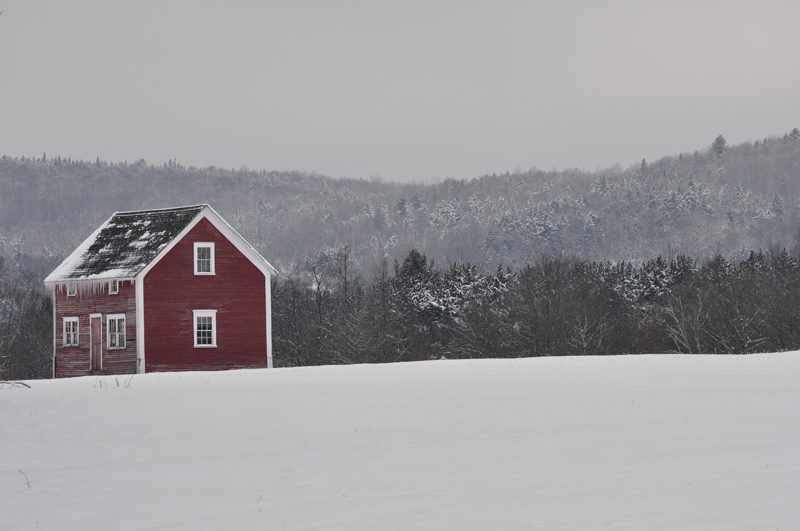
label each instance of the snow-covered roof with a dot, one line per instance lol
(125, 244)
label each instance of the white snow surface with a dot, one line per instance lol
(630, 442)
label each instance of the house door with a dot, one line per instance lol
(96, 342)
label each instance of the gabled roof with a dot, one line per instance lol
(124, 244)
(129, 241)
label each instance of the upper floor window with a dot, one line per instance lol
(70, 331)
(72, 289)
(203, 258)
(113, 286)
(115, 328)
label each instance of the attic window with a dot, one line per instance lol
(72, 289)
(113, 286)
(203, 258)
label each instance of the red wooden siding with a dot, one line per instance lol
(75, 361)
(237, 291)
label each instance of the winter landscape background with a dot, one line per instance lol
(509, 294)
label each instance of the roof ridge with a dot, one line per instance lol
(169, 209)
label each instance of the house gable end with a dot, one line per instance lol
(174, 296)
(223, 227)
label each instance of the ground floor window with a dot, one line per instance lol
(70, 331)
(205, 328)
(115, 328)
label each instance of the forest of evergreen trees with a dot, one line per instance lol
(328, 312)
(532, 263)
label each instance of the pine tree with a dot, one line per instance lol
(416, 201)
(719, 146)
(777, 205)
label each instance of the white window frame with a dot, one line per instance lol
(72, 289)
(120, 344)
(75, 335)
(198, 245)
(205, 313)
(113, 286)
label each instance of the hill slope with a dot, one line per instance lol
(636, 442)
(729, 201)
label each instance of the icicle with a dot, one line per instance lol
(92, 287)
(83, 287)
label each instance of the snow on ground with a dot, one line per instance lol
(629, 442)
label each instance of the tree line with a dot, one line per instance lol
(328, 312)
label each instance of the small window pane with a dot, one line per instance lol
(204, 331)
(116, 332)
(204, 259)
(121, 333)
(70, 331)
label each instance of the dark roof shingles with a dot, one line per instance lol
(131, 240)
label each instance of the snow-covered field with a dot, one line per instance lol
(634, 442)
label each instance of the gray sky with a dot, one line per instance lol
(409, 90)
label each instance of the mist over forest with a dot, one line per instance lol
(720, 199)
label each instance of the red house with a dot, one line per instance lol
(176, 289)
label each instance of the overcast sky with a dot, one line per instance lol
(408, 90)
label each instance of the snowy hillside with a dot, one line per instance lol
(742, 198)
(635, 442)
